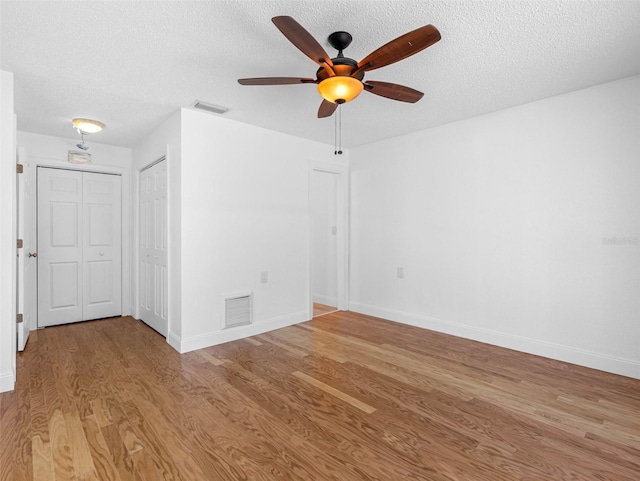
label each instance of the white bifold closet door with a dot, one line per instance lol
(153, 247)
(79, 246)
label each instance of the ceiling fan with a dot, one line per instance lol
(340, 79)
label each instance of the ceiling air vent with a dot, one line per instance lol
(214, 109)
(237, 310)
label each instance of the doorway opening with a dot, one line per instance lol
(326, 206)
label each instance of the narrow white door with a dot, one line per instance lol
(27, 265)
(102, 248)
(79, 246)
(153, 247)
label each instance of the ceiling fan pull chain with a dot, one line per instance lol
(335, 132)
(338, 131)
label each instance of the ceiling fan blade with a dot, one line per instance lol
(326, 109)
(393, 91)
(275, 81)
(302, 39)
(401, 48)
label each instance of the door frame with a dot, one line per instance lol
(26, 223)
(125, 219)
(342, 206)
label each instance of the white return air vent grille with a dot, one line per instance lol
(237, 310)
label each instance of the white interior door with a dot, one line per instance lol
(27, 263)
(59, 246)
(153, 247)
(102, 246)
(79, 246)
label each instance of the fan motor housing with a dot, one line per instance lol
(341, 66)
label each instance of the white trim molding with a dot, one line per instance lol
(572, 355)
(7, 382)
(183, 345)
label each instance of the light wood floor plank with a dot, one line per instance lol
(102, 458)
(43, 464)
(283, 344)
(61, 448)
(345, 397)
(335, 392)
(80, 452)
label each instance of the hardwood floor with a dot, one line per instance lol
(322, 309)
(343, 397)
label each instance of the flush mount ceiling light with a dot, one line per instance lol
(84, 127)
(87, 126)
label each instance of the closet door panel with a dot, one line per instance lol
(102, 249)
(59, 246)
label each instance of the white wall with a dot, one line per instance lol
(45, 150)
(163, 141)
(239, 205)
(245, 201)
(7, 235)
(520, 228)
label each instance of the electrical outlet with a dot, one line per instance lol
(334, 230)
(400, 272)
(264, 277)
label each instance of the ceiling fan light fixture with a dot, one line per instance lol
(340, 89)
(87, 126)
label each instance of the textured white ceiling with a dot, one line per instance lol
(132, 64)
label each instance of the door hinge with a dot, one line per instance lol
(19, 319)
(19, 243)
(19, 168)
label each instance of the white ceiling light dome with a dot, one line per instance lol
(87, 126)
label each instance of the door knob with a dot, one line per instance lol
(33, 254)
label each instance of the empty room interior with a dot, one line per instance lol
(320, 240)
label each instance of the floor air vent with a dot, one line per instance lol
(237, 310)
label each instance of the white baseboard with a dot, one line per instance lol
(218, 337)
(7, 382)
(326, 300)
(174, 341)
(581, 357)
